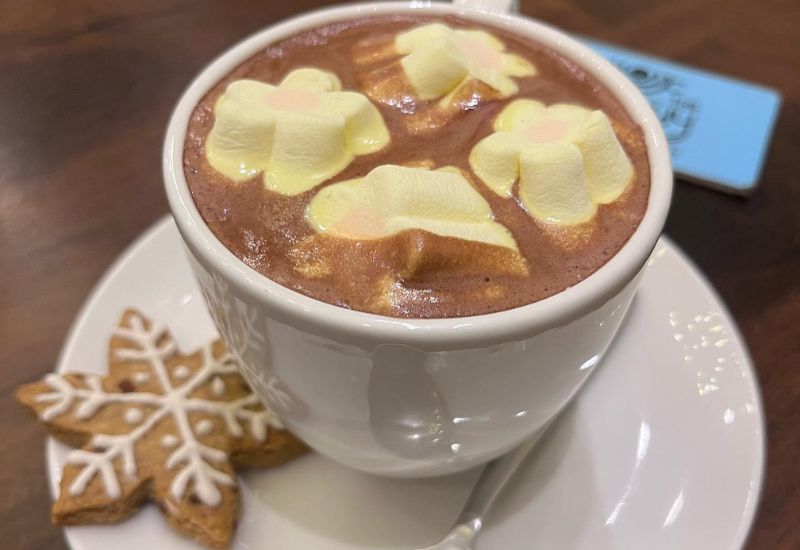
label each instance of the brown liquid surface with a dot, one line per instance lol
(414, 273)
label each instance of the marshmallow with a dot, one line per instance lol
(391, 199)
(438, 60)
(553, 186)
(567, 160)
(298, 134)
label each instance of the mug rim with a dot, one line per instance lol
(517, 323)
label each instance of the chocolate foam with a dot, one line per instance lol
(414, 273)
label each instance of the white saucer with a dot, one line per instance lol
(663, 449)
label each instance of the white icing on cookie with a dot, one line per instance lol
(133, 416)
(217, 386)
(204, 427)
(192, 460)
(181, 372)
(141, 378)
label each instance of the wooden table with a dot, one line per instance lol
(86, 87)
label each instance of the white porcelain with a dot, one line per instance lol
(410, 397)
(662, 450)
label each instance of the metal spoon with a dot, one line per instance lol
(490, 483)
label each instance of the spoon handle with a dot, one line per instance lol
(491, 482)
(493, 478)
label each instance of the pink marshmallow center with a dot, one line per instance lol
(546, 131)
(479, 52)
(359, 223)
(293, 100)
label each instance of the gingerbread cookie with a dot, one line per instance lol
(161, 425)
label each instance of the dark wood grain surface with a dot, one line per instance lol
(86, 87)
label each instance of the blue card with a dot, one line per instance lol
(718, 128)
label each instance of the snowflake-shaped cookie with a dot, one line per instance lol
(298, 134)
(160, 425)
(566, 158)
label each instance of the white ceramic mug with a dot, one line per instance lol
(415, 397)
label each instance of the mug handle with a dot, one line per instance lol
(489, 6)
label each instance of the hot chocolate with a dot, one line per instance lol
(417, 167)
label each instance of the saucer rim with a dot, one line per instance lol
(163, 225)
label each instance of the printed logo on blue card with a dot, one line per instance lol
(718, 128)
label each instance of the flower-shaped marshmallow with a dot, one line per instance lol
(567, 160)
(391, 199)
(299, 134)
(438, 60)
